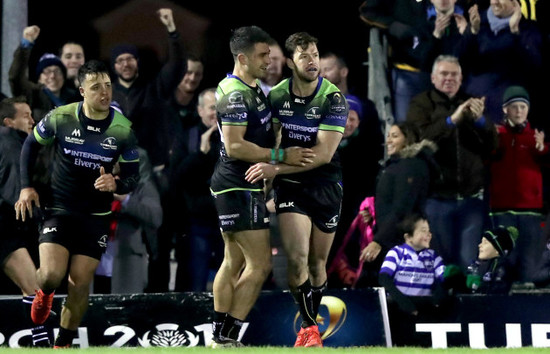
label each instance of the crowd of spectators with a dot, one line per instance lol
(473, 155)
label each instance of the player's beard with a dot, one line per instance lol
(307, 76)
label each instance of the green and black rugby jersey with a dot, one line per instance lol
(238, 104)
(82, 146)
(302, 117)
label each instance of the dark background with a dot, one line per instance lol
(336, 25)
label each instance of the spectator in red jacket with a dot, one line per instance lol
(516, 193)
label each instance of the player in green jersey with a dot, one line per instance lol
(311, 112)
(89, 137)
(244, 118)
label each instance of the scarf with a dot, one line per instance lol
(497, 24)
(57, 101)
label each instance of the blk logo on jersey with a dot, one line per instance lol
(286, 205)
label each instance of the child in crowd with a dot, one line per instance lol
(516, 187)
(412, 273)
(493, 262)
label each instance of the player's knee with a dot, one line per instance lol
(318, 268)
(297, 260)
(260, 269)
(232, 267)
(49, 278)
(262, 275)
(297, 270)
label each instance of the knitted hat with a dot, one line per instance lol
(49, 59)
(502, 238)
(123, 49)
(515, 94)
(355, 104)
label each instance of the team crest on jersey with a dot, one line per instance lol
(333, 222)
(102, 242)
(429, 264)
(109, 143)
(313, 113)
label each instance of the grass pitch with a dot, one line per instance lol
(278, 350)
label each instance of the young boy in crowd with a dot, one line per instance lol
(412, 273)
(493, 262)
(516, 186)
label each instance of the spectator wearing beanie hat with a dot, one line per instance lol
(144, 99)
(501, 242)
(49, 60)
(50, 91)
(516, 185)
(494, 261)
(51, 73)
(355, 115)
(125, 57)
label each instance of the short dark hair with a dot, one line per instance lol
(194, 57)
(299, 39)
(339, 59)
(60, 52)
(92, 67)
(243, 39)
(408, 223)
(7, 107)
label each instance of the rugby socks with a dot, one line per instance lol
(39, 334)
(65, 337)
(231, 327)
(217, 324)
(27, 304)
(317, 296)
(303, 295)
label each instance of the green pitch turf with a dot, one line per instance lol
(276, 350)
